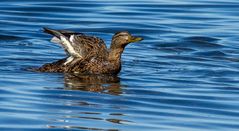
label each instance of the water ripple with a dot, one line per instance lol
(183, 76)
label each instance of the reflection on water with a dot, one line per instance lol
(109, 84)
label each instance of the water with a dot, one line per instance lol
(183, 76)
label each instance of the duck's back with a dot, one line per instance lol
(89, 47)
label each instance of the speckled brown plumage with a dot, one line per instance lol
(88, 54)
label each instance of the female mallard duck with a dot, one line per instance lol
(88, 54)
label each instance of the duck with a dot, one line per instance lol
(88, 54)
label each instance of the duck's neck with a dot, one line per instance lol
(116, 50)
(115, 54)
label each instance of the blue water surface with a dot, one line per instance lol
(183, 76)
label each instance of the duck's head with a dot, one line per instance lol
(123, 38)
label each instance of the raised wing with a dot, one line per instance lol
(89, 46)
(62, 37)
(78, 44)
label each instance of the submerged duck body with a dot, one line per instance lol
(88, 54)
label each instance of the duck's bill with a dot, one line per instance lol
(135, 39)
